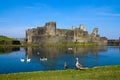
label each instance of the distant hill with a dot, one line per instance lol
(5, 38)
(8, 41)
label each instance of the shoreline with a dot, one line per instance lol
(54, 45)
(100, 72)
(84, 68)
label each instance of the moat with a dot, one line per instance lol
(29, 59)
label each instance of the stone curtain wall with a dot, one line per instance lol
(50, 34)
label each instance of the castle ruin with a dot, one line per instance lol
(50, 34)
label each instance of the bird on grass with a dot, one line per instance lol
(65, 66)
(78, 65)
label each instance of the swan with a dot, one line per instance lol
(69, 48)
(28, 60)
(43, 59)
(38, 53)
(22, 60)
(78, 65)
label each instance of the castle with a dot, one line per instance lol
(50, 34)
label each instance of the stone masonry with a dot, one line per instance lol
(50, 34)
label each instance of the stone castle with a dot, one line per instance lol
(50, 34)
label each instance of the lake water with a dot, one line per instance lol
(14, 60)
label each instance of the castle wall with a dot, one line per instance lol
(49, 34)
(41, 31)
(29, 36)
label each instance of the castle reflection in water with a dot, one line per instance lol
(52, 58)
(29, 59)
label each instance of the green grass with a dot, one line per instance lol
(49, 45)
(69, 45)
(101, 73)
(5, 39)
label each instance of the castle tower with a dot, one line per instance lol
(95, 32)
(29, 36)
(82, 27)
(50, 28)
(73, 27)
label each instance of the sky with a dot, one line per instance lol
(16, 16)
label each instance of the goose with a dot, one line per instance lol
(22, 60)
(78, 65)
(65, 66)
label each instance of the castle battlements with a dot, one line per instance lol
(50, 34)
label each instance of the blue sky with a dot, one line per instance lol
(16, 16)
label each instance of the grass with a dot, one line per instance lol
(68, 45)
(5, 39)
(50, 45)
(101, 73)
(7, 42)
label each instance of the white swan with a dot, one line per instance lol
(78, 65)
(38, 53)
(28, 60)
(69, 48)
(43, 59)
(22, 60)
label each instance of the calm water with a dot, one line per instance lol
(13, 60)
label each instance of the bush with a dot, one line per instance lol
(15, 42)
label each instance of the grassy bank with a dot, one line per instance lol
(102, 73)
(4, 41)
(50, 45)
(69, 45)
